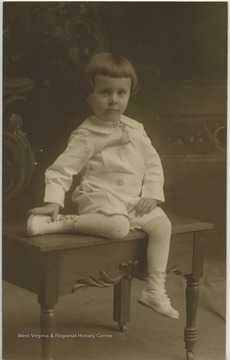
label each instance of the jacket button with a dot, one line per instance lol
(119, 182)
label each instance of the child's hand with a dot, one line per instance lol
(145, 206)
(49, 209)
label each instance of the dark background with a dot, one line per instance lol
(180, 52)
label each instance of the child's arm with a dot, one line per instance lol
(58, 176)
(153, 181)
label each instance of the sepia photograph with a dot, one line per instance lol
(114, 161)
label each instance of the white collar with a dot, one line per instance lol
(95, 124)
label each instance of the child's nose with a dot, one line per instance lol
(113, 98)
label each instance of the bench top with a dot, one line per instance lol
(15, 229)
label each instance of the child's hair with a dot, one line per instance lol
(108, 64)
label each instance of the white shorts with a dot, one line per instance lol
(106, 203)
(137, 222)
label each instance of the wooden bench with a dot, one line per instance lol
(54, 265)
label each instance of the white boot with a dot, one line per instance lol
(154, 296)
(43, 224)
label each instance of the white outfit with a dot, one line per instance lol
(118, 166)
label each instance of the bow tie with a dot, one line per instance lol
(125, 134)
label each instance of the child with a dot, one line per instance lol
(121, 176)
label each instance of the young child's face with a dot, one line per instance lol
(110, 97)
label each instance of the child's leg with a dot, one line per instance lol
(112, 226)
(154, 294)
(159, 231)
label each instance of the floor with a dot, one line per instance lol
(87, 317)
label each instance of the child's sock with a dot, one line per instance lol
(109, 226)
(154, 294)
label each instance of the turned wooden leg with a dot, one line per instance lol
(47, 329)
(190, 331)
(47, 298)
(121, 303)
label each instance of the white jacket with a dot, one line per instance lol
(117, 163)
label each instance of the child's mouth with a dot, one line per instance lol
(112, 110)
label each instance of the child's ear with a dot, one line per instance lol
(87, 99)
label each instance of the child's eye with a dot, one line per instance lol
(121, 92)
(105, 92)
